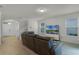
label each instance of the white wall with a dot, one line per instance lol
(0, 28)
(10, 29)
(60, 20)
(23, 25)
(33, 24)
(27, 24)
(19, 25)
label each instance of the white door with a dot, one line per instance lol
(10, 29)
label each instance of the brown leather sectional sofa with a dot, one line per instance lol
(37, 43)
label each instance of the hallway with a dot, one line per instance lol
(12, 46)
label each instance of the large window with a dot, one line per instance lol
(71, 26)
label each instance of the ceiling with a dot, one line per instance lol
(29, 10)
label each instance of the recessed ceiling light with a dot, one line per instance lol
(9, 23)
(41, 10)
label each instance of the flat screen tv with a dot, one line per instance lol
(52, 29)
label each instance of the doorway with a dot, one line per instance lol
(10, 28)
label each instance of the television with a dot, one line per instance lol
(52, 29)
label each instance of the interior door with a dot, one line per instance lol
(10, 29)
